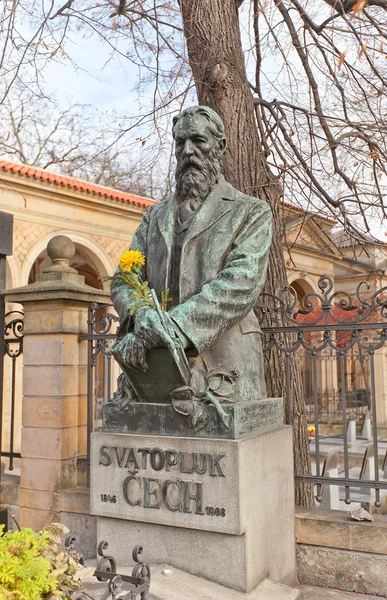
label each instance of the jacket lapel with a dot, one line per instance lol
(165, 220)
(214, 208)
(218, 203)
(165, 225)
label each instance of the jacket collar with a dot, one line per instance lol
(213, 208)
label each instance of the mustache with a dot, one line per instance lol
(191, 161)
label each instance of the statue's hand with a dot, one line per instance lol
(131, 351)
(149, 328)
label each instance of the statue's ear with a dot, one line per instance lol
(174, 121)
(223, 145)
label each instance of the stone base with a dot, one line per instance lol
(232, 523)
(162, 419)
(359, 572)
(84, 528)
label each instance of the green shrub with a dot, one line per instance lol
(33, 566)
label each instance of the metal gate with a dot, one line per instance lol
(102, 325)
(11, 348)
(340, 342)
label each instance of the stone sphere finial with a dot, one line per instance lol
(61, 249)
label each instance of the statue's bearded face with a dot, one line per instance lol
(198, 153)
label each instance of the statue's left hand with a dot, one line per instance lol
(149, 328)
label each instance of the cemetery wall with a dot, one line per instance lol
(336, 552)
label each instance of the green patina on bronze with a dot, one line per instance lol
(208, 244)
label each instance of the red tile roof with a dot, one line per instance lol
(342, 239)
(308, 212)
(76, 184)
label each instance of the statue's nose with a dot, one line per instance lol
(188, 148)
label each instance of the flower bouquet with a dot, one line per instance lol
(168, 366)
(131, 263)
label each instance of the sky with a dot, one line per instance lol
(93, 81)
(87, 73)
(84, 76)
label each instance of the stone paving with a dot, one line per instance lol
(168, 584)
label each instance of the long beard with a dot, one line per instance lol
(195, 179)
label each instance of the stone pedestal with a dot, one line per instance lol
(162, 419)
(220, 509)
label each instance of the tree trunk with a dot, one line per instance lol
(216, 58)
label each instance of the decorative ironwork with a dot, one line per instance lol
(107, 564)
(13, 333)
(332, 326)
(101, 333)
(12, 341)
(126, 587)
(291, 307)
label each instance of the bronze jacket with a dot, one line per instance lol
(222, 272)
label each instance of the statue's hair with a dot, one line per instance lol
(213, 118)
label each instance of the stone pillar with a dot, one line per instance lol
(54, 409)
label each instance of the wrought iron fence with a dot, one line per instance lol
(127, 587)
(358, 397)
(342, 330)
(12, 349)
(102, 324)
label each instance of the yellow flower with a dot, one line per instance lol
(130, 259)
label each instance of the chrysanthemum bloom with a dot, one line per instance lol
(130, 259)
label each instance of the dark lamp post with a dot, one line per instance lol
(6, 235)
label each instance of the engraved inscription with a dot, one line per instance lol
(176, 494)
(108, 498)
(215, 512)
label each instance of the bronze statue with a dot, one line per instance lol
(208, 244)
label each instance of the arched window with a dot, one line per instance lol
(301, 287)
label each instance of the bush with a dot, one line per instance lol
(33, 566)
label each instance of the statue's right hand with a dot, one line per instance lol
(149, 327)
(130, 351)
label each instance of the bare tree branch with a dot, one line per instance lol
(319, 83)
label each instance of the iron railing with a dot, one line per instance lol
(127, 587)
(345, 327)
(358, 397)
(101, 332)
(12, 349)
